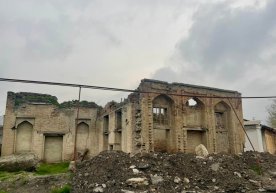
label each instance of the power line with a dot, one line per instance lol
(129, 90)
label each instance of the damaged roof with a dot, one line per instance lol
(187, 85)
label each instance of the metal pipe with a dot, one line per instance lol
(241, 125)
(76, 126)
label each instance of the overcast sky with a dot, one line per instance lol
(222, 43)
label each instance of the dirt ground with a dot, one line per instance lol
(161, 172)
(29, 183)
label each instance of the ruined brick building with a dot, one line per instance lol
(158, 118)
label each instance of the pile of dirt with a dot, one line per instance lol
(116, 171)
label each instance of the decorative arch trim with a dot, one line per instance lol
(20, 120)
(198, 100)
(170, 99)
(226, 105)
(85, 121)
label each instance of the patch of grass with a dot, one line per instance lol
(257, 169)
(2, 191)
(7, 175)
(55, 168)
(64, 189)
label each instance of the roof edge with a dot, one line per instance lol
(189, 85)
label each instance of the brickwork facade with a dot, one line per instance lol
(158, 118)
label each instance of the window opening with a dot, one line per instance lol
(192, 102)
(118, 120)
(106, 124)
(160, 115)
(219, 120)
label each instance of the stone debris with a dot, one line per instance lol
(134, 182)
(201, 151)
(186, 180)
(177, 180)
(237, 174)
(143, 166)
(155, 179)
(272, 173)
(72, 166)
(19, 162)
(215, 167)
(127, 191)
(98, 189)
(135, 171)
(270, 188)
(164, 172)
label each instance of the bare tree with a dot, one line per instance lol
(272, 114)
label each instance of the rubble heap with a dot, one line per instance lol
(116, 171)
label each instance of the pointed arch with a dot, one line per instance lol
(163, 107)
(195, 102)
(222, 106)
(194, 110)
(222, 126)
(163, 98)
(24, 135)
(162, 110)
(82, 136)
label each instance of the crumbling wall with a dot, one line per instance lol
(159, 118)
(47, 119)
(191, 119)
(117, 135)
(270, 141)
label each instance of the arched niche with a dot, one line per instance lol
(82, 136)
(222, 126)
(24, 135)
(194, 112)
(162, 123)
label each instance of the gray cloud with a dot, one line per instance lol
(118, 43)
(229, 47)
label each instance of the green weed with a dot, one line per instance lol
(7, 175)
(257, 169)
(55, 168)
(64, 189)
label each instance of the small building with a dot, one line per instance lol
(160, 116)
(262, 137)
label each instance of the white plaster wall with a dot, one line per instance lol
(255, 137)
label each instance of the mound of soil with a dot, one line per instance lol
(116, 171)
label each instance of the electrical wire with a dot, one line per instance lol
(130, 90)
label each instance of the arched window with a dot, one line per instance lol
(194, 112)
(162, 108)
(162, 123)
